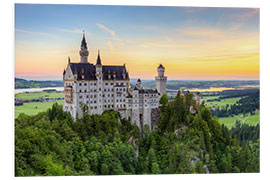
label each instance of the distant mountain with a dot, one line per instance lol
(22, 83)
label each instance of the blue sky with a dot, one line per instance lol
(140, 36)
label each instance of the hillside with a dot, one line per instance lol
(51, 143)
(22, 83)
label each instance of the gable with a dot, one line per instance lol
(68, 75)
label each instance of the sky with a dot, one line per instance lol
(193, 43)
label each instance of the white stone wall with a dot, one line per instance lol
(102, 95)
(161, 84)
(135, 118)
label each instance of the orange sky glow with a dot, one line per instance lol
(191, 52)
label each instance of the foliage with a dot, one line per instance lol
(246, 105)
(52, 144)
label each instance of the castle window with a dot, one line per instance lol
(80, 97)
(87, 96)
(80, 84)
(80, 90)
(111, 83)
(85, 90)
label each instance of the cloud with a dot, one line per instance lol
(110, 31)
(32, 32)
(113, 50)
(194, 9)
(248, 14)
(199, 32)
(218, 58)
(76, 31)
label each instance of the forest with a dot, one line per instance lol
(52, 144)
(247, 104)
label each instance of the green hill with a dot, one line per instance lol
(22, 83)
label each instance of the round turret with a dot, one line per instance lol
(161, 70)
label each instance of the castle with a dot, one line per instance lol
(104, 87)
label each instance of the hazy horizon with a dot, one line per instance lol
(45, 78)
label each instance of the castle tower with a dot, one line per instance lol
(161, 80)
(139, 84)
(99, 77)
(84, 51)
(198, 98)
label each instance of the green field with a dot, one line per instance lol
(251, 120)
(230, 121)
(36, 95)
(33, 108)
(205, 98)
(222, 103)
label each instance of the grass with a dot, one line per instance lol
(36, 95)
(230, 121)
(222, 103)
(33, 108)
(252, 120)
(205, 98)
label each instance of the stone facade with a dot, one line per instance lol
(161, 80)
(103, 87)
